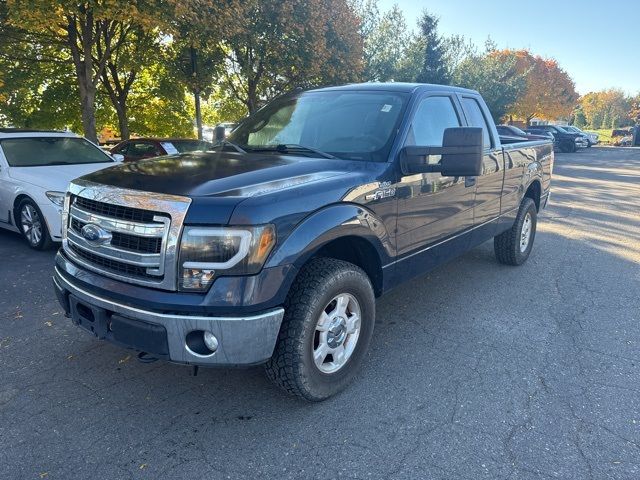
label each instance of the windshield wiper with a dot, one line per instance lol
(291, 147)
(238, 148)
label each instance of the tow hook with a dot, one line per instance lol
(144, 357)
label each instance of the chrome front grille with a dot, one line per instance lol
(139, 232)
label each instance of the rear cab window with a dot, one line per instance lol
(476, 118)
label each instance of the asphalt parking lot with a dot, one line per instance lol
(477, 371)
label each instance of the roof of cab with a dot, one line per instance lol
(398, 87)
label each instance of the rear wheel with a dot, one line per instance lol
(33, 226)
(326, 330)
(514, 246)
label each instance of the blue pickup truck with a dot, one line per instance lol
(272, 248)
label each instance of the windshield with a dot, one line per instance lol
(561, 130)
(191, 145)
(355, 125)
(43, 151)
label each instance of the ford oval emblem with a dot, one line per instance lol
(95, 233)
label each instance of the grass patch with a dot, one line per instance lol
(604, 134)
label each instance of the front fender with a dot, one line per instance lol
(327, 224)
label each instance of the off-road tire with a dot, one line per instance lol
(292, 366)
(507, 244)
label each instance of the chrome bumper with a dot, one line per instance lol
(245, 340)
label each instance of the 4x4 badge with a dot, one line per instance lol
(385, 191)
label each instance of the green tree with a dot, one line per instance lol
(276, 46)
(434, 66)
(79, 28)
(496, 77)
(37, 81)
(606, 109)
(386, 39)
(124, 66)
(634, 112)
(579, 118)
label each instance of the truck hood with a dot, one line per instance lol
(54, 177)
(208, 174)
(268, 185)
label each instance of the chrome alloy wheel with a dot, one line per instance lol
(336, 334)
(525, 232)
(31, 224)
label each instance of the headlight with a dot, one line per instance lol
(56, 198)
(207, 253)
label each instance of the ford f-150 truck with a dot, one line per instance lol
(272, 248)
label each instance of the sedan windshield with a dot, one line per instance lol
(44, 151)
(355, 125)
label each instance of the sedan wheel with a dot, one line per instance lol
(33, 226)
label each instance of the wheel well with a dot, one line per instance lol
(16, 204)
(358, 251)
(533, 192)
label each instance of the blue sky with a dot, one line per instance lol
(596, 42)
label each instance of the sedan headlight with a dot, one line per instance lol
(56, 198)
(207, 253)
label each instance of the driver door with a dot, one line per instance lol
(431, 208)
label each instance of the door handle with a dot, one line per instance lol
(469, 181)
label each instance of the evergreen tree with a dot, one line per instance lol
(434, 67)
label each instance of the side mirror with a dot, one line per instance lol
(219, 133)
(461, 151)
(118, 157)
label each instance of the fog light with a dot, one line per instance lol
(201, 343)
(210, 341)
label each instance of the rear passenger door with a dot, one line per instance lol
(489, 184)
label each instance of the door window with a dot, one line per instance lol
(433, 116)
(142, 149)
(476, 118)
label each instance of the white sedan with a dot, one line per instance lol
(35, 170)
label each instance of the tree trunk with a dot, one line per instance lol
(123, 121)
(196, 98)
(529, 118)
(80, 45)
(87, 104)
(252, 97)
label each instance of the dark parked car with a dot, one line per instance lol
(510, 134)
(511, 131)
(140, 148)
(592, 138)
(568, 142)
(274, 252)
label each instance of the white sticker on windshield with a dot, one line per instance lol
(386, 108)
(169, 148)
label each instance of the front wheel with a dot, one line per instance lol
(33, 226)
(326, 330)
(514, 246)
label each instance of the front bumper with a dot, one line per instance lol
(53, 217)
(242, 340)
